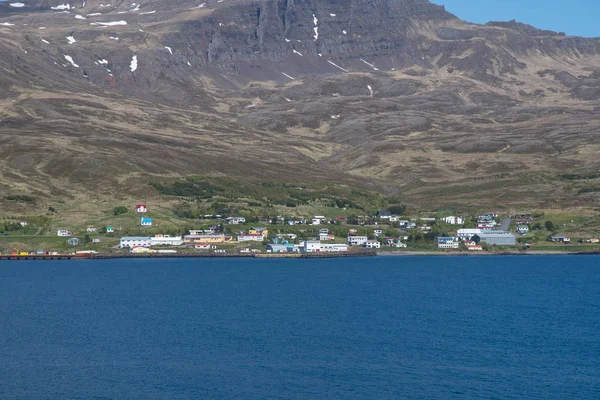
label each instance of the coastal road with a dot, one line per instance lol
(505, 224)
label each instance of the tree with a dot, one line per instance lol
(87, 239)
(397, 209)
(549, 225)
(537, 226)
(120, 210)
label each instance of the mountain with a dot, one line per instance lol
(397, 96)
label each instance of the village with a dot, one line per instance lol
(382, 232)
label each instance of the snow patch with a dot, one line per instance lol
(287, 76)
(332, 15)
(370, 89)
(71, 39)
(94, 14)
(113, 38)
(17, 5)
(45, 41)
(102, 61)
(79, 17)
(7, 24)
(61, 7)
(168, 48)
(189, 64)
(148, 12)
(113, 23)
(344, 32)
(70, 59)
(297, 52)
(337, 66)
(200, 6)
(316, 35)
(134, 63)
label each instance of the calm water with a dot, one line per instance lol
(384, 328)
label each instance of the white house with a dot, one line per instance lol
(141, 208)
(357, 240)
(166, 240)
(250, 237)
(326, 236)
(135, 241)
(318, 220)
(452, 220)
(377, 232)
(92, 229)
(446, 242)
(235, 220)
(64, 232)
(372, 244)
(333, 247)
(523, 228)
(110, 229)
(23, 223)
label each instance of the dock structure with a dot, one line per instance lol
(37, 257)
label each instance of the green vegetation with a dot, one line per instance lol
(21, 198)
(120, 210)
(549, 225)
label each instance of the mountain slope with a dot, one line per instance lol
(394, 94)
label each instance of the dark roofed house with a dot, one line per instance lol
(73, 242)
(383, 214)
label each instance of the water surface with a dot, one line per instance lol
(368, 328)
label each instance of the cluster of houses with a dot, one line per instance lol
(473, 239)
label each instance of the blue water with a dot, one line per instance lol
(373, 328)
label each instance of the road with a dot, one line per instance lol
(505, 226)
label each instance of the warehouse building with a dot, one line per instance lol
(496, 238)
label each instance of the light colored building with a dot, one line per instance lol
(110, 229)
(92, 229)
(247, 237)
(213, 238)
(23, 223)
(311, 246)
(63, 232)
(135, 241)
(467, 233)
(326, 236)
(73, 242)
(452, 220)
(354, 240)
(377, 232)
(204, 246)
(523, 228)
(264, 232)
(447, 242)
(235, 220)
(372, 244)
(277, 248)
(318, 220)
(333, 247)
(166, 240)
(496, 238)
(141, 208)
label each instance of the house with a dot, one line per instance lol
(96, 240)
(297, 221)
(523, 228)
(399, 244)
(248, 237)
(264, 232)
(110, 229)
(427, 219)
(495, 238)
(290, 236)
(134, 241)
(372, 244)
(23, 223)
(202, 238)
(92, 229)
(318, 220)
(326, 236)
(592, 240)
(323, 230)
(561, 239)
(314, 246)
(141, 208)
(166, 240)
(63, 232)
(452, 220)
(235, 220)
(383, 214)
(377, 232)
(354, 240)
(141, 249)
(145, 221)
(447, 242)
(73, 242)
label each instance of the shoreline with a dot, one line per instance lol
(400, 253)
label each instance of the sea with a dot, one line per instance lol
(411, 327)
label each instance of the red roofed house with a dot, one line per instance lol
(141, 208)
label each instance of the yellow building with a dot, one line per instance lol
(214, 238)
(259, 231)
